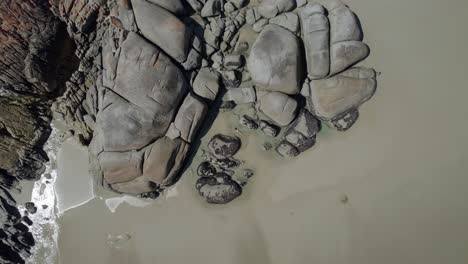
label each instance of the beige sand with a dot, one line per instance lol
(391, 190)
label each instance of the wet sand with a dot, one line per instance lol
(390, 190)
(74, 186)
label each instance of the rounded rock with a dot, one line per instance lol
(222, 146)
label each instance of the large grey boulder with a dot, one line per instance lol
(121, 166)
(123, 126)
(279, 107)
(173, 6)
(333, 43)
(164, 160)
(147, 77)
(344, 23)
(271, 8)
(345, 54)
(190, 117)
(163, 29)
(275, 61)
(336, 95)
(147, 91)
(316, 37)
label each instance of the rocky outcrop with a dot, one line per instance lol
(139, 60)
(136, 79)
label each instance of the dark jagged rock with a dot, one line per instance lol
(36, 60)
(345, 121)
(150, 195)
(223, 146)
(30, 207)
(220, 189)
(226, 163)
(206, 169)
(248, 122)
(269, 129)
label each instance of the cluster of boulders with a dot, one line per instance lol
(221, 178)
(299, 70)
(136, 79)
(161, 65)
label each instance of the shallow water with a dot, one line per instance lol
(74, 186)
(390, 190)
